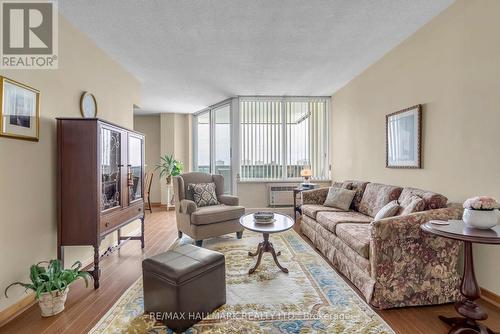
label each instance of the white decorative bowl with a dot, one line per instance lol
(263, 216)
(482, 219)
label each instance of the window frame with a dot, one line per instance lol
(284, 149)
(210, 110)
(236, 139)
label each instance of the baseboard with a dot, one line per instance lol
(156, 204)
(17, 308)
(490, 297)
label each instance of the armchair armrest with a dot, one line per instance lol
(188, 207)
(314, 196)
(410, 266)
(229, 200)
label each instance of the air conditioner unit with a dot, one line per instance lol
(281, 194)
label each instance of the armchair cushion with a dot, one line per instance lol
(204, 194)
(216, 214)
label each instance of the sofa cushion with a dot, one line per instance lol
(330, 220)
(389, 210)
(216, 214)
(311, 210)
(339, 198)
(359, 188)
(356, 236)
(377, 195)
(411, 204)
(432, 200)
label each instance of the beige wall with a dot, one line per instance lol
(452, 67)
(28, 177)
(150, 126)
(175, 140)
(255, 195)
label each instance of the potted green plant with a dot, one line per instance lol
(50, 282)
(169, 167)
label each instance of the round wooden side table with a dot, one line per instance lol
(281, 224)
(471, 312)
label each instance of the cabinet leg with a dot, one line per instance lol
(142, 232)
(60, 254)
(119, 236)
(96, 272)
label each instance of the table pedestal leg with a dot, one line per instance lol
(264, 247)
(467, 307)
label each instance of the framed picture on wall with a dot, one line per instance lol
(20, 110)
(404, 138)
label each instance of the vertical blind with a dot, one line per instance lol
(281, 136)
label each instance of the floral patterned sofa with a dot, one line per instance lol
(391, 261)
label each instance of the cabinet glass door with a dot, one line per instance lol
(110, 168)
(135, 174)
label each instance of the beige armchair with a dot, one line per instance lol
(207, 221)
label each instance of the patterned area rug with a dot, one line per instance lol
(312, 298)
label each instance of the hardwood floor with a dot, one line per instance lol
(119, 270)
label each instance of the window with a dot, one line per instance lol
(280, 136)
(212, 142)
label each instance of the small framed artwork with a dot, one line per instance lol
(20, 110)
(404, 138)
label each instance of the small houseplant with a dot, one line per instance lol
(481, 212)
(169, 167)
(50, 282)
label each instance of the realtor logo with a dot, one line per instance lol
(29, 34)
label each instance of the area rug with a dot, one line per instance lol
(311, 298)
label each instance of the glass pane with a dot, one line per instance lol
(203, 143)
(135, 168)
(222, 117)
(110, 168)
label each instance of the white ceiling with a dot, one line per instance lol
(189, 54)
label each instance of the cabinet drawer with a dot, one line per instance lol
(112, 220)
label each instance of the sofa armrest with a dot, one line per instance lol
(408, 226)
(314, 196)
(410, 266)
(188, 207)
(229, 200)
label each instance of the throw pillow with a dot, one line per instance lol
(411, 204)
(339, 198)
(203, 193)
(389, 210)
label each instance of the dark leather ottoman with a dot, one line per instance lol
(183, 285)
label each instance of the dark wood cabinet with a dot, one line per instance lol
(100, 183)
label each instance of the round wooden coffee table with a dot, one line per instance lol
(281, 224)
(470, 289)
